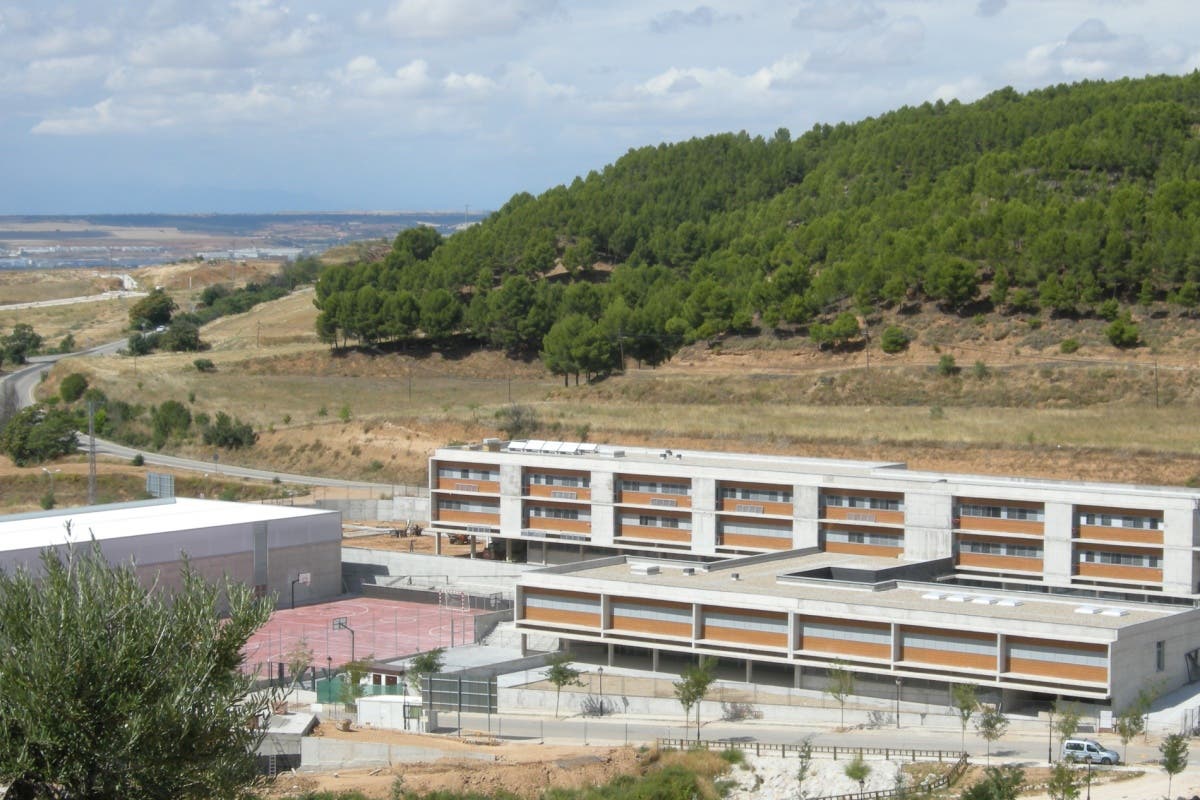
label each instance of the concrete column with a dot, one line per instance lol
(524, 645)
(508, 554)
(437, 543)
(603, 515)
(797, 677)
(806, 501)
(1179, 532)
(473, 546)
(704, 517)
(749, 671)
(654, 659)
(927, 524)
(512, 512)
(1059, 526)
(611, 649)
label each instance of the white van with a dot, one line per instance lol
(1088, 750)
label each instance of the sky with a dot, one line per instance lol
(194, 106)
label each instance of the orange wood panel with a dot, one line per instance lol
(1119, 571)
(864, 515)
(864, 549)
(1033, 527)
(949, 658)
(647, 498)
(742, 636)
(461, 484)
(778, 509)
(1132, 535)
(655, 627)
(989, 561)
(552, 524)
(541, 490)
(476, 517)
(561, 616)
(846, 647)
(760, 542)
(1050, 669)
(661, 534)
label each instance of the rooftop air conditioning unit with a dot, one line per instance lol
(735, 576)
(689, 570)
(644, 569)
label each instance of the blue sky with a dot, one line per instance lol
(270, 105)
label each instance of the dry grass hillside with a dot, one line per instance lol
(1015, 405)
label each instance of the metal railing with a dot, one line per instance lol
(784, 750)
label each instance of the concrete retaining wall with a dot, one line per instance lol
(360, 565)
(399, 509)
(320, 753)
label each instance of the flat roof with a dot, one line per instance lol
(774, 579)
(563, 453)
(139, 518)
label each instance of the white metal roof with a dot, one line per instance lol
(120, 520)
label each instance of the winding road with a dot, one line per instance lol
(25, 381)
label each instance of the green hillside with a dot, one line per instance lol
(1075, 200)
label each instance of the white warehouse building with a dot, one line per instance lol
(276, 549)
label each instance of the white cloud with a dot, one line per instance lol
(68, 42)
(441, 19)
(990, 8)
(836, 15)
(966, 90)
(364, 75)
(468, 82)
(676, 20)
(1093, 50)
(53, 76)
(193, 45)
(897, 43)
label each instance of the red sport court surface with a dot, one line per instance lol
(382, 629)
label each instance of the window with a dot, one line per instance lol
(655, 521)
(860, 501)
(557, 513)
(468, 505)
(755, 529)
(1000, 549)
(879, 539)
(462, 473)
(1120, 559)
(1001, 512)
(570, 481)
(1160, 656)
(655, 487)
(761, 495)
(1144, 522)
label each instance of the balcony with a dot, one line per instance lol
(1110, 534)
(1030, 527)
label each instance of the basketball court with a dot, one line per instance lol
(360, 627)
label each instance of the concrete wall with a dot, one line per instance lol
(320, 753)
(399, 509)
(1133, 656)
(360, 565)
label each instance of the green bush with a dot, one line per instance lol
(72, 387)
(893, 339)
(1069, 345)
(980, 370)
(228, 432)
(47, 501)
(204, 365)
(138, 460)
(946, 366)
(1123, 332)
(1109, 310)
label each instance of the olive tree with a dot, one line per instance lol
(112, 689)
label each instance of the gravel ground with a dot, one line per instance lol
(774, 778)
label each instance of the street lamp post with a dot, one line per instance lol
(600, 672)
(899, 683)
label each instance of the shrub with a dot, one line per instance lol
(980, 370)
(72, 387)
(1109, 310)
(47, 500)
(322, 412)
(38, 434)
(946, 365)
(1123, 332)
(204, 365)
(893, 339)
(1069, 345)
(137, 460)
(226, 431)
(344, 413)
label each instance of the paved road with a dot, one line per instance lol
(26, 380)
(70, 301)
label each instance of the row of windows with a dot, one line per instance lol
(467, 505)
(1122, 559)
(572, 481)
(660, 613)
(755, 529)
(559, 513)
(859, 501)
(1001, 512)
(746, 622)
(949, 644)
(1120, 521)
(1000, 549)
(762, 495)
(652, 521)
(1057, 654)
(472, 474)
(583, 604)
(656, 487)
(865, 537)
(847, 634)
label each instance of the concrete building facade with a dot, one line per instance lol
(1028, 586)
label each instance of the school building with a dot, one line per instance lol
(790, 566)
